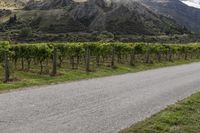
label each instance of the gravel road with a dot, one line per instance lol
(102, 105)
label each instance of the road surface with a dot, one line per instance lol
(102, 105)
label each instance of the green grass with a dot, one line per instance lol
(26, 79)
(183, 117)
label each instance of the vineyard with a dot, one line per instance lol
(49, 58)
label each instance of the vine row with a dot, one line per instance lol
(50, 57)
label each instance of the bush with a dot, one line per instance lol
(26, 32)
(105, 36)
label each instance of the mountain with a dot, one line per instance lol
(64, 16)
(177, 10)
(47, 4)
(121, 18)
(117, 17)
(182, 11)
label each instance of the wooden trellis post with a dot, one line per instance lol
(113, 57)
(87, 60)
(54, 71)
(6, 68)
(132, 58)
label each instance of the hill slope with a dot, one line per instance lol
(183, 14)
(92, 17)
(47, 4)
(95, 15)
(126, 18)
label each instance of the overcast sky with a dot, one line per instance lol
(192, 3)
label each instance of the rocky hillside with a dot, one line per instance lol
(175, 9)
(47, 4)
(122, 18)
(180, 12)
(66, 16)
(63, 16)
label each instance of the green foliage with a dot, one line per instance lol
(77, 55)
(105, 36)
(43, 51)
(183, 117)
(4, 47)
(26, 32)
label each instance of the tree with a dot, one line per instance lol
(105, 36)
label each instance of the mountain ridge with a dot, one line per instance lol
(175, 9)
(123, 18)
(63, 16)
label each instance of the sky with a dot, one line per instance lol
(192, 3)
